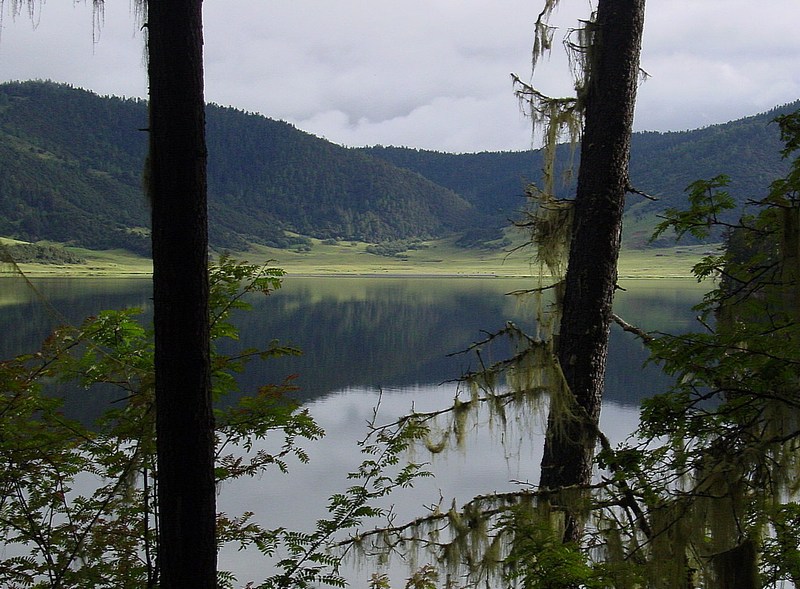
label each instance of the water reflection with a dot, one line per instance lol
(360, 336)
(493, 459)
(387, 333)
(395, 333)
(30, 311)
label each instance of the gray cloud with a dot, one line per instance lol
(422, 73)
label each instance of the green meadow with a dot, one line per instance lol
(433, 258)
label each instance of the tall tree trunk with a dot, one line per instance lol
(592, 269)
(177, 189)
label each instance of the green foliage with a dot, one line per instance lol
(39, 254)
(484, 237)
(539, 559)
(706, 204)
(714, 474)
(70, 536)
(288, 242)
(77, 501)
(393, 249)
(781, 550)
(426, 577)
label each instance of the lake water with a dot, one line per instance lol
(363, 340)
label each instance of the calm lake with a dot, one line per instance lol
(365, 339)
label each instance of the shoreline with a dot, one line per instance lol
(649, 264)
(58, 273)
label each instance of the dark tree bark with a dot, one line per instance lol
(177, 190)
(592, 269)
(737, 568)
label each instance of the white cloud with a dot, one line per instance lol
(65, 46)
(716, 60)
(423, 73)
(443, 124)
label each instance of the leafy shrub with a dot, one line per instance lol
(42, 254)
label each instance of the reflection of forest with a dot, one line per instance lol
(30, 312)
(358, 332)
(396, 333)
(389, 333)
(654, 305)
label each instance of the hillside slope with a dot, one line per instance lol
(71, 167)
(71, 161)
(662, 165)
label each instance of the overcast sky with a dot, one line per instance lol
(433, 74)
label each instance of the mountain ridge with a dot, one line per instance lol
(70, 171)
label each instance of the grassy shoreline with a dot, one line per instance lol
(441, 259)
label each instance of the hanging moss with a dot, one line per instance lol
(551, 230)
(436, 446)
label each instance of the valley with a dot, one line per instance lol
(71, 169)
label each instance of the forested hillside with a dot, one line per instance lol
(71, 168)
(662, 165)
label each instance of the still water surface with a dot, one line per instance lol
(363, 340)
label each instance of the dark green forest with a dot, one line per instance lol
(662, 166)
(71, 171)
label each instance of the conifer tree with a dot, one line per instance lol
(176, 185)
(608, 59)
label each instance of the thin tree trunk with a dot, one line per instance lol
(592, 269)
(177, 189)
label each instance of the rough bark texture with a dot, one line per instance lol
(177, 187)
(592, 269)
